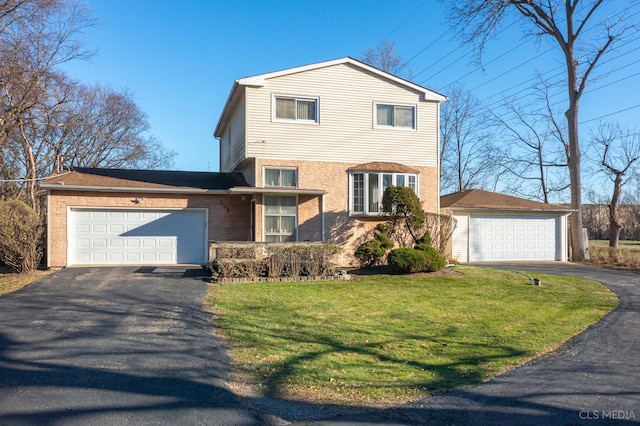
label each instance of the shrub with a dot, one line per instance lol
(370, 252)
(20, 236)
(407, 260)
(276, 265)
(434, 261)
(282, 261)
(425, 239)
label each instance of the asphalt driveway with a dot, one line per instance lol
(114, 346)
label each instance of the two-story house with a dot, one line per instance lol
(305, 155)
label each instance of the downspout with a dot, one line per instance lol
(48, 217)
(322, 216)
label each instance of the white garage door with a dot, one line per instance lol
(504, 238)
(136, 237)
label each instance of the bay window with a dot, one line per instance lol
(366, 189)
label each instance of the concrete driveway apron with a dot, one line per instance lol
(114, 346)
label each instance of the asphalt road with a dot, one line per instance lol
(114, 346)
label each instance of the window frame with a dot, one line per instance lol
(365, 190)
(264, 176)
(394, 126)
(296, 98)
(264, 219)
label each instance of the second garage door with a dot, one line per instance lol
(505, 238)
(136, 237)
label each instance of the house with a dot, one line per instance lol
(496, 227)
(305, 155)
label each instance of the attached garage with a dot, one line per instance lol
(109, 217)
(99, 236)
(494, 227)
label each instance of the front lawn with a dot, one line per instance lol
(385, 339)
(11, 281)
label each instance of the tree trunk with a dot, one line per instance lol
(578, 249)
(614, 223)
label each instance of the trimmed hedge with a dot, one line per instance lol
(282, 261)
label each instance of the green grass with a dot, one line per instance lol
(387, 339)
(621, 243)
(11, 281)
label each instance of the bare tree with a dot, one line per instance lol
(44, 115)
(384, 57)
(37, 37)
(619, 157)
(534, 150)
(467, 157)
(102, 127)
(565, 22)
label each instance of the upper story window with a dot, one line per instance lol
(280, 177)
(298, 109)
(395, 116)
(366, 189)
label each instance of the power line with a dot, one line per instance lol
(406, 19)
(514, 68)
(610, 114)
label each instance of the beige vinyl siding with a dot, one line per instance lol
(249, 173)
(345, 132)
(233, 151)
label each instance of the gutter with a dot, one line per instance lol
(509, 210)
(63, 187)
(247, 190)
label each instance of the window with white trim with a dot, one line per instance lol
(366, 189)
(395, 116)
(292, 108)
(280, 218)
(280, 177)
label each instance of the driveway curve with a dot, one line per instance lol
(112, 346)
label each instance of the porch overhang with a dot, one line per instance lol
(277, 190)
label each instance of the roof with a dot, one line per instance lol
(259, 80)
(477, 199)
(379, 166)
(81, 178)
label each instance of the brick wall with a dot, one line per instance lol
(340, 228)
(229, 215)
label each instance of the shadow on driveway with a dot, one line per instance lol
(113, 346)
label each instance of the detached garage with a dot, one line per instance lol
(493, 227)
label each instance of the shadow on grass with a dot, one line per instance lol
(464, 371)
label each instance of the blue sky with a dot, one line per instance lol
(180, 59)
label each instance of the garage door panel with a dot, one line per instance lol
(499, 238)
(104, 236)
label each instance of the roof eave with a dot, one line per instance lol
(275, 190)
(507, 209)
(259, 80)
(86, 188)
